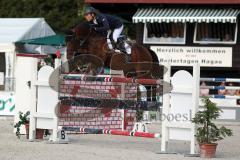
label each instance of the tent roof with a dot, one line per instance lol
(15, 29)
(54, 40)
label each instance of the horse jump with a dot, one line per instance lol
(111, 132)
(43, 115)
(110, 91)
(107, 78)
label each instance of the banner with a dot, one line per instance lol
(187, 56)
(7, 103)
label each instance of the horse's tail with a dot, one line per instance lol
(146, 53)
(154, 56)
(141, 53)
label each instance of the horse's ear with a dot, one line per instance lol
(69, 32)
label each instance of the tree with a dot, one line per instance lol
(61, 15)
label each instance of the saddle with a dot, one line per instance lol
(120, 45)
(123, 45)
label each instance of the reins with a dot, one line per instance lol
(86, 38)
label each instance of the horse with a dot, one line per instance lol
(86, 41)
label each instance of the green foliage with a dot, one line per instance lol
(207, 131)
(60, 14)
(23, 119)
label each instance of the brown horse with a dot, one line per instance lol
(87, 41)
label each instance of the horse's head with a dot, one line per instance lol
(85, 40)
(82, 32)
(76, 39)
(71, 43)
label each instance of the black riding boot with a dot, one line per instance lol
(120, 46)
(128, 57)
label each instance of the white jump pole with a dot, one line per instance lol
(166, 106)
(55, 117)
(195, 98)
(33, 110)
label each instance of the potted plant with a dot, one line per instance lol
(208, 132)
(24, 120)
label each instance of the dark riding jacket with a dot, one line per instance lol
(107, 22)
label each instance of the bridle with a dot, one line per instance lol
(85, 39)
(81, 42)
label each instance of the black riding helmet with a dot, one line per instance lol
(90, 10)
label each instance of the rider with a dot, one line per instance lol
(106, 24)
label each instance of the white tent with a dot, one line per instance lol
(13, 30)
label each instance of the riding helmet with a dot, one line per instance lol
(90, 10)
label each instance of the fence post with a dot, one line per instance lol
(195, 98)
(166, 106)
(32, 125)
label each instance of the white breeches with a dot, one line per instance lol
(116, 33)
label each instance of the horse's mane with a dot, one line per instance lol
(85, 26)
